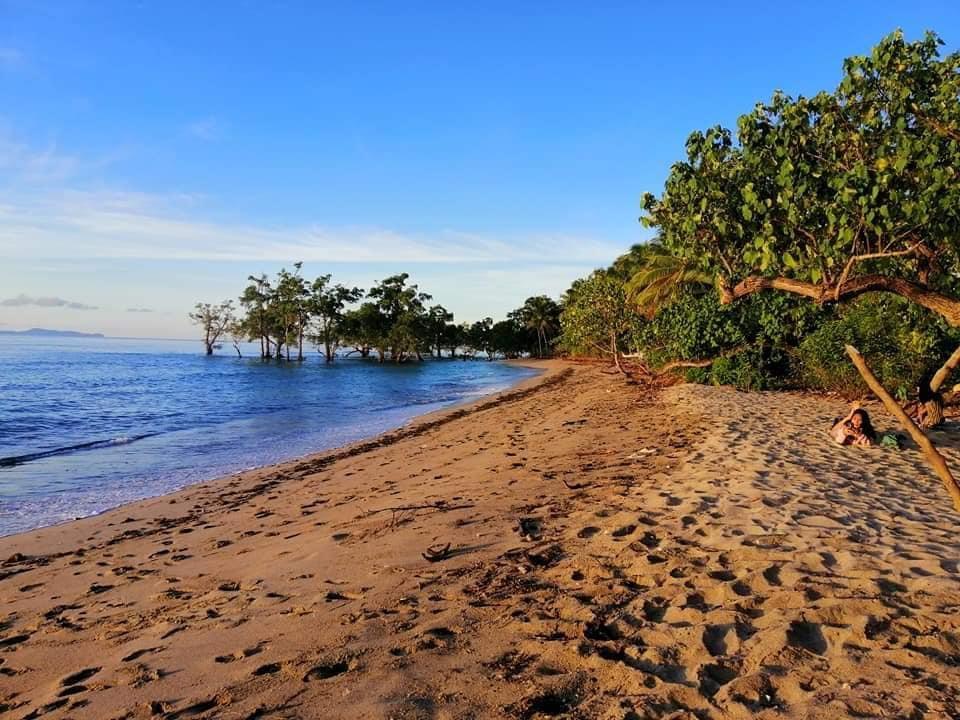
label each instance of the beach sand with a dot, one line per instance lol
(615, 551)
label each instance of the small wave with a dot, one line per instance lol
(14, 460)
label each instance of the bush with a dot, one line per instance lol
(752, 337)
(899, 341)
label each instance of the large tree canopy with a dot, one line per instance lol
(834, 195)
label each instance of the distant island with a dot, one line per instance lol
(43, 332)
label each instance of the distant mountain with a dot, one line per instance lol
(43, 332)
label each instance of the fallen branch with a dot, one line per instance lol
(929, 450)
(706, 362)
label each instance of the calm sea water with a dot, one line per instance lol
(89, 424)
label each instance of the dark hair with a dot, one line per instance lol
(867, 427)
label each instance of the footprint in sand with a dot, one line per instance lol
(588, 532)
(327, 670)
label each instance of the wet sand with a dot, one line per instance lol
(576, 547)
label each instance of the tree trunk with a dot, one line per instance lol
(616, 352)
(933, 456)
(236, 347)
(209, 349)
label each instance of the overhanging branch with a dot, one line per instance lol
(945, 306)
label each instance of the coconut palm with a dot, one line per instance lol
(542, 315)
(658, 276)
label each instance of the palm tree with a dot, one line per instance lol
(658, 276)
(540, 314)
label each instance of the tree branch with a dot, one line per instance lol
(933, 456)
(869, 256)
(945, 306)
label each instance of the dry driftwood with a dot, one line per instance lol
(933, 456)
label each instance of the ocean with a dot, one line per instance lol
(87, 424)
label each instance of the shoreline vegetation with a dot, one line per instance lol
(391, 321)
(575, 545)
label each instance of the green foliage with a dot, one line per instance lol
(809, 183)
(657, 277)
(541, 316)
(750, 341)
(755, 368)
(215, 320)
(901, 342)
(392, 321)
(597, 316)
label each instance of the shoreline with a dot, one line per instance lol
(414, 420)
(576, 546)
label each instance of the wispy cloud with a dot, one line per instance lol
(28, 164)
(115, 225)
(23, 300)
(139, 310)
(204, 129)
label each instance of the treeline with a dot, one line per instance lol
(393, 321)
(819, 222)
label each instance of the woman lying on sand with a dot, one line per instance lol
(854, 429)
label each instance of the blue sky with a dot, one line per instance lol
(154, 154)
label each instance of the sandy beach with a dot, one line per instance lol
(575, 547)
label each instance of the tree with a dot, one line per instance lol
(832, 196)
(439, 321)
(541, 315)
(214, 319)
(507, 338)
(238, 332)
(327, 305)
(478, 337)
(363, 328)
(454, 338)
(255, 298)
(289, 308)
(403, 321)
(597, 316)
(657, 276)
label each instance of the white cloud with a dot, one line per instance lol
(23, 300)
(26, 164)
(139, 310)
(118, 225)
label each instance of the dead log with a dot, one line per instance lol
(929, 450)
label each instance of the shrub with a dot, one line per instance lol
(900, 341)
